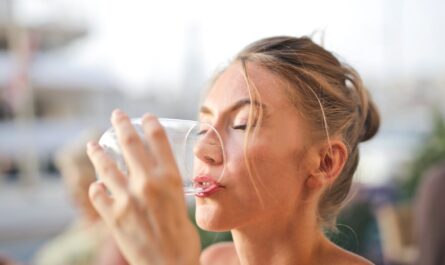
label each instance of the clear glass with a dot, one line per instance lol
(185, 138)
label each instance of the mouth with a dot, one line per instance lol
(208, 185)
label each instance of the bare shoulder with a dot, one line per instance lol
(343, 257)
(220, 253)
(354, 259)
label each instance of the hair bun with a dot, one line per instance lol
(372, 122)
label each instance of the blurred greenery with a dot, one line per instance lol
(208, 238)
(357, 230)
(431, 151)
(353, 226)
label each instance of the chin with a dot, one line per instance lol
(212, 219)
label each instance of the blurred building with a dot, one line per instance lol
(45, 98)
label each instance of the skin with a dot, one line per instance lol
(77, 178)
(277, 224)
(146, 211)
(77, 184)
(272, 215)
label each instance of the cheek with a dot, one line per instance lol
(278, 168)
(274, 179)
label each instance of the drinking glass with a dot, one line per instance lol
(185, 138)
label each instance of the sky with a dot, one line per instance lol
(144, 43)
(143, 46)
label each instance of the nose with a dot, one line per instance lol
(209, 149)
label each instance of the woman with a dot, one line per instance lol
(430, 216)
(291, 117)
(86, 241)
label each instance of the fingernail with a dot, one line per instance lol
(149, 117)
(92, 145)
(118, 113)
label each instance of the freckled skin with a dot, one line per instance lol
(273, 213)
(277, 152)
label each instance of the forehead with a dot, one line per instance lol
(231, 86)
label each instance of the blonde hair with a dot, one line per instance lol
(328, 94)
(73, 154)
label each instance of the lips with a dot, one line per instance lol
(208, 184)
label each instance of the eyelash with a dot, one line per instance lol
(240, 127)
(202, 132)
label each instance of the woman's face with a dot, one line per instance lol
(77, 179)
(280, 152)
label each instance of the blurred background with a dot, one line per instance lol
(66, 64)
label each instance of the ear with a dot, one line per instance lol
(331, 159)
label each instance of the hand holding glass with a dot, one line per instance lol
(185, 138)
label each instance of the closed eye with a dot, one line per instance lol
(201, 132)
(240, 127)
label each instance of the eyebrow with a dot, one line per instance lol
(238, 105)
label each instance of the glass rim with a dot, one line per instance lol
(190, 125)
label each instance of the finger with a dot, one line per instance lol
(110, 175)
(134, 151)
(158, 141)
(101, 201)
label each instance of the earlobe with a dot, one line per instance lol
(314, 182)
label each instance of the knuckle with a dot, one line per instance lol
(108, 169)
(118, 220)
(155, 132)
(130, 139)
(176, 182)
(94, 193)
(123, 207)
(164, 172)
(149, 188)
(170, 176)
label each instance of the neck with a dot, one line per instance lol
(281, 240)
